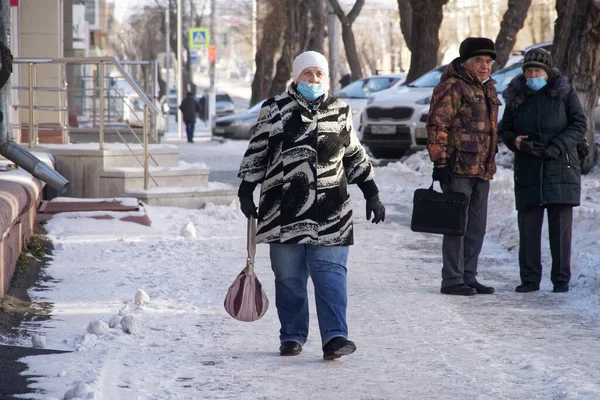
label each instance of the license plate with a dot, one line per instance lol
(383, 129)
(219, 130)
(421, 133)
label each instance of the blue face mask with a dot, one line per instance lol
(311, 91)
(536, 83)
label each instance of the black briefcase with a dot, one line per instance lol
(443, 213)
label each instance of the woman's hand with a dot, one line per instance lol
(518, 141)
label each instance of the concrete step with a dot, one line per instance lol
(117, 181)
(115, 154)
(193, 198)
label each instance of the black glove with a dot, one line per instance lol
(441, 173)
(375, 206)
(552, 153)
(248, 208)
(532, 147)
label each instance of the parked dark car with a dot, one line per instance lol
(239, 125)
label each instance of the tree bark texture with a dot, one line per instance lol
(296, 42)
(427, 18)
(405, 11)
(270, 42)
(348, 35)
(512, 23)
(576, 53)
(319, 22)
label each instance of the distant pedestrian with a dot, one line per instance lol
(345, 80)
(462, 142)
(202, 110)
(304, 152)
(190, 109)
(542, 124)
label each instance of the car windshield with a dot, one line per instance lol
(429, 79)
(363, 88)
(504, 76)
(224, 97)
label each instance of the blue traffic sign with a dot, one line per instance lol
(199, 38)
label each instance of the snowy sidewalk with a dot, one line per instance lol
(413, 342)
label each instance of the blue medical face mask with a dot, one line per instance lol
(536, 83)
(311, 91)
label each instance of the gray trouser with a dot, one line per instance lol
(560, 224)
(460, 253)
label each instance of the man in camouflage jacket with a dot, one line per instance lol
(462, 143)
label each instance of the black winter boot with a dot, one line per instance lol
(337, 347)
(290, 348)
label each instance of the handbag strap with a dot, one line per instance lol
(251, 244)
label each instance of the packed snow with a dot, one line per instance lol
(141, 309)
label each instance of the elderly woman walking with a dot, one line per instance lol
(543, 123)
(304, 153)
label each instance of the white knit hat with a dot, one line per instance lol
(309, 59)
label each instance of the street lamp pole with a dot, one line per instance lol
(179, 64)
(211, 71)
(167, 59)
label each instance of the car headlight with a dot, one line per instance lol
(425, 100)
(370, 99)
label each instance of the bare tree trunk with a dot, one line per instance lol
(512, 22)
(427, 18)
(270, 43)
(576, 52)
(319, 22)
(348, 35)
(405, 11)
(295, 42)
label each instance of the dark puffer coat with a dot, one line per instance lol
(552, 115)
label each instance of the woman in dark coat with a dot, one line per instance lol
(542, 124)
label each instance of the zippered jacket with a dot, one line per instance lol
(463, 123)
(552, 115)
(305, 157)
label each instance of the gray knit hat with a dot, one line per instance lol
(538, 58)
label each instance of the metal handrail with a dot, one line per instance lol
(94, 60)
(149, 109)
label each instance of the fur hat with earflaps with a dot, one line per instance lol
(476, 46)
(538, 58)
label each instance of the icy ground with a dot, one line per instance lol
(413, 342)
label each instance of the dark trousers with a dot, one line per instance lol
(189, 130)
(461, 253)
(560, 224)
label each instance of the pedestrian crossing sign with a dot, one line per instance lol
(199, 38)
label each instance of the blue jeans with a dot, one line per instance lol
(326, 265)
(189, 130)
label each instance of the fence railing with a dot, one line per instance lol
(94, 93)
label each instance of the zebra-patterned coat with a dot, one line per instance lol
(305, 159)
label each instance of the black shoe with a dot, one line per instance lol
(527, 287)
(290, 348)
(337, 347)
(561, 288)
(459, 290)
(481, 289)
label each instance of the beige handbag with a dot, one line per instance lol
(246, 300)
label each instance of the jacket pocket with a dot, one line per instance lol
(466, 157)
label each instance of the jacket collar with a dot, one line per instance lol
(456, 70)
(558, 86)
